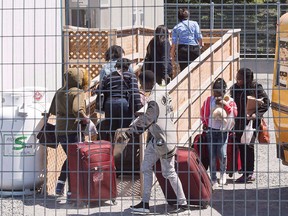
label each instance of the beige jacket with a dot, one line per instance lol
(68, 103)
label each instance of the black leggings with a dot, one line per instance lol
(65, 141)
(247, 154)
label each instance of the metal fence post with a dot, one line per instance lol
(212, 16)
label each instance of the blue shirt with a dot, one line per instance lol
(186, 32)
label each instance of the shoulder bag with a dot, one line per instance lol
(46, 135)
(263, 135)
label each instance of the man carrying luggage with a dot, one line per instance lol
(157, 118)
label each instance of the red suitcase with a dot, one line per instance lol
(194, 178)
(200, 146)
(92, 171)
(233, 157)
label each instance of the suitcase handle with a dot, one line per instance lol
(80, 135)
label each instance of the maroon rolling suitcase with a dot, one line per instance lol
(200, 146)
(92, 173)
(233, 157)
(193, 176)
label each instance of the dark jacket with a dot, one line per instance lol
(116, 86)
(158, 59)
(240, 96)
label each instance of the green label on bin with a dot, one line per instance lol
(19, 145)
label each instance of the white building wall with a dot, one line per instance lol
(30, 44)
(149, 13)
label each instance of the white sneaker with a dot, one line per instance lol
(223, 179)
(214, 185)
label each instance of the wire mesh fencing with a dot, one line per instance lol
(134, 123)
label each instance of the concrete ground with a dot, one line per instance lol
(268, 195)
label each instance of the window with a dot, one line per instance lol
(104, 3)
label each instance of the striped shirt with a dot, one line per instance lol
(114, 86)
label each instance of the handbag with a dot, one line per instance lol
(248, 133)
(120, 141)
(46, 135)
(263, 135)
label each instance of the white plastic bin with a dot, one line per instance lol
(21, 157)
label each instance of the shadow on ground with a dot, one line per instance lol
(54, 202)
(262, 201)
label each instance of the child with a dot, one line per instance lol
(217, 128)
(162, 145)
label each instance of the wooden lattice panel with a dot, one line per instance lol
(88, 44)
(55, 159)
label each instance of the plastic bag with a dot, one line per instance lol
(248, 133)
(90, 128)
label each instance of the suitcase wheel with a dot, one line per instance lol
(205, 204)
(114, 202)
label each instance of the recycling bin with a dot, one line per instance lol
(21, 157)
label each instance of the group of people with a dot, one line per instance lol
(217, 132)
(123, 98)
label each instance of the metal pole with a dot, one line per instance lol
(278, 11)
(211, 15)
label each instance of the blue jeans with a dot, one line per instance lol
(217, 145)
(118, 115)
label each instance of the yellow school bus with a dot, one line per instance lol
(279, 102)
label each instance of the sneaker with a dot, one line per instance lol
(179, 209)
(222, 180)
(60, 188)
(214, 185)
(242, 179)
(251, 177)
(68, 197)
(141, 207)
